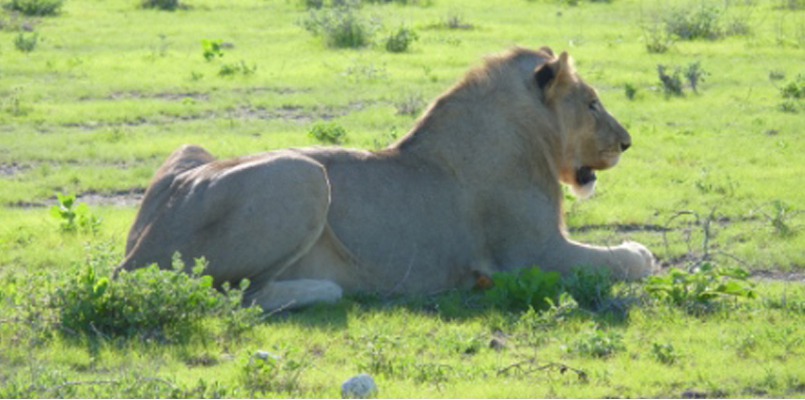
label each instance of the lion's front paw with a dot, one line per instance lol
(639, 262)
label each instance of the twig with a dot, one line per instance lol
(535, 367)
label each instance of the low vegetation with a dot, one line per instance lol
(83, 131)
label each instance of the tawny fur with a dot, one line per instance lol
(474, 188)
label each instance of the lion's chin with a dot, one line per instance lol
(584, 186)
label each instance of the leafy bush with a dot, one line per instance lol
(26, 43)
(35, 8)
(793, 92)
(528, 288)
(74, 218)
(399, 41)
(657, 39)
(794, 89)
(147, 303)
(341, 26)
(598, 343)
(330, 133)
(702, 290)
(166, 5)
(591, 288)
(690, 24)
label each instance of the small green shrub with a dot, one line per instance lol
(166, 5)
(701, 291)
(671, 84)
(35, 8)
(399, 41)
(591, 288)
(527, 288)
(266, 373)
(237, 68)
(74, 218)
(26, 43)
(794, 89)
(695, 74)
(148, 303)
(657, 40)
(695, 23)
(630, 91)
(329, 133)
(212, 49)
(340, 26)
(455, 21)
(598, 343)
(664, 353)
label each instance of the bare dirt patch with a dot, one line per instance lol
(775, 275)
(118, 199)
(122, 199)
(9, 170)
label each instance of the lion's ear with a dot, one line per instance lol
(544, 75)
(554, 73)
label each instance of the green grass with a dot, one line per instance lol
(110, 89)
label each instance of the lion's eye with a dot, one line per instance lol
(594, 105)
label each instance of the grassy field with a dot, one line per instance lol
(94, 97)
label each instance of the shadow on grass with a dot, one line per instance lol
(453, 305)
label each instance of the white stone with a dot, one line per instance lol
(360, 387)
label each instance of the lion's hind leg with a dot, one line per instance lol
(291, 294)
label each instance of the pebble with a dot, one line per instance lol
(360, 387)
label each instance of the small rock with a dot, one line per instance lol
(497, 343)
(264, 355)
(360, 387)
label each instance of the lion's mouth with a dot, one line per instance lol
(585, 175)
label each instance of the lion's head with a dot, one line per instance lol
(591, 137)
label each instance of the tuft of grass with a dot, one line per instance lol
(26, 43)
(664, 353)
(695, 74)
(657, 39)
(329, 133)
(341, 26)
(630, 91)
(237, 68)
(671, 83)
(266, 373)
(212, 49)
(399, 41)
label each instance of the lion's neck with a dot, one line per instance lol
(466, 138)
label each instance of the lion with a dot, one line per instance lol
(473, 189)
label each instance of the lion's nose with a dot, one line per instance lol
(625, 146)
